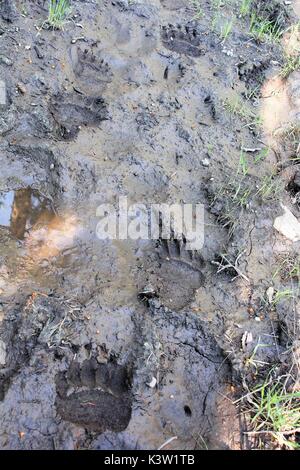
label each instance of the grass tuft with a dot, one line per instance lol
(269, 188)
(59, 11)
(263, 29)
(275, 411)
(245, 7)
(291, 64)
(236, 107)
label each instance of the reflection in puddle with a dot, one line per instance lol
(20, 210)
(46, 242)
(47, 239)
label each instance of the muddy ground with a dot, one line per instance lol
(127, 344)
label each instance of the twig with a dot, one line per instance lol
(283, 433)
(222, 267)
(167, 442)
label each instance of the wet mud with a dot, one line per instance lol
(124, 344)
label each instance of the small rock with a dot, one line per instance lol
(79, 38)
(38, 52)
(270, 294)
(21, 88)
(206, 162)
(147, 293)
(5, 60)
(228, 52)
(247, 338)
(3, 95)
(153, 383)
(2, 353)
(288, 225)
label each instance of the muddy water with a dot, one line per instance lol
(22, 209)
(33, 237)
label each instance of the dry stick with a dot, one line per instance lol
(167, 442)
(230, 265)
(294, 311)
(285, 433)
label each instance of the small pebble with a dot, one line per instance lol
(5, 60)
(21, 88)
(3, 95)
(153, 383)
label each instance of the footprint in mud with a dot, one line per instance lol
(179, 274)
(252, 72)
(90, 69)
(182, 39)
(73, 110)
(28, 323)
(101, 400)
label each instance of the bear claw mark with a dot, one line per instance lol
(71, 111)
(176, 250)
(91, 68)
(182, 39)
(101, 400)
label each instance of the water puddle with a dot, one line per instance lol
(22, 209)
(28, 217)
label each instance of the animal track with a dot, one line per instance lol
(179, 273)
(253, 73)
(182, 39)
(70, 111)
(101, 400)
(175, 250)
(89, 68)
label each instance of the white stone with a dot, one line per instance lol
(205, 162)
(270, 294)
(3, 95)
(2, 353)
(288, 225)
(153, 383)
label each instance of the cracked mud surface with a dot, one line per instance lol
(128, 100)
